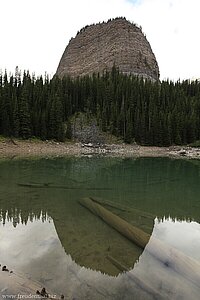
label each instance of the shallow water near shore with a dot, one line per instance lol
(46, 233)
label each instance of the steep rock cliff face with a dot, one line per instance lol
(97, 48)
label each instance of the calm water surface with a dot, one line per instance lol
(46, 234)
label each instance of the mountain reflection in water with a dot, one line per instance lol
(45, 233)
(35, 249)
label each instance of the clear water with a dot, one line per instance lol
(46, 233)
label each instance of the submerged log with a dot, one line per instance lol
(122, 207)
(117, 264)
(109, 203)
(133, 233)
(169, 256)
(140, 283)
(21, 286)
(46, 185)
(173, 258)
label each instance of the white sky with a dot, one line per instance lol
(34, 33)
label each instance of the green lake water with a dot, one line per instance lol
(46, 233)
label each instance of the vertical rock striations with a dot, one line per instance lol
(97, 48)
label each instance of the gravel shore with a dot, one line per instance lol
(30, 148)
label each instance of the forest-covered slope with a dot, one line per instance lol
(149, 113)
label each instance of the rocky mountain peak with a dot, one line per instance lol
(98, 47)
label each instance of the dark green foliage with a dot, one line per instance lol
(150, 113)
(69, 130)
(24, 103)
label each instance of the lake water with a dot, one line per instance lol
(46, 233)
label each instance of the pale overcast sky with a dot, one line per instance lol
(34, 33)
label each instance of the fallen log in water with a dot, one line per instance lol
(133, 233)
(141, 284)
(44, 185)
(122, 207)
(169, 256)
(109, 203)
(117, 264)
(173, 258)
(20, 286)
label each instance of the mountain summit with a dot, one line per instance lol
(98, 47)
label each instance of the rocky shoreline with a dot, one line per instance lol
(30, 148)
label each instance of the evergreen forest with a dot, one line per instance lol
(131, 108)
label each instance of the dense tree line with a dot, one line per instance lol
(150, 113)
